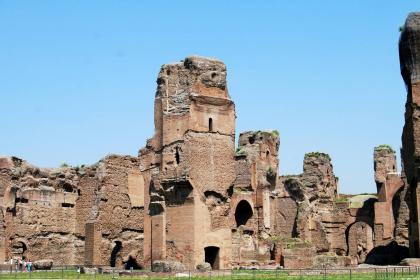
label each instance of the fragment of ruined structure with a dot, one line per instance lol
(114, 214)
(315, 191)
(189, 167)
(316, 221)
(44, 212)
(409, 50)
(400, 206)
(252, 214)
(388, 183)
(38, 212)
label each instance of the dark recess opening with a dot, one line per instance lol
(177, 155)
(273, 250)
(243, 213)
(21, 200)
(115, 251)
(67, 188)
(132, 264)
(210, 124)
(68, 205)
(211, 254)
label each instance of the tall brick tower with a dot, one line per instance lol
(188, 166)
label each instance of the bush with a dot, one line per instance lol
(318, 154)
(240, 152)
(384, 147)
(275, 132)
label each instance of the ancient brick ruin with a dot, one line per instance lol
(192, 198)
(409, 49)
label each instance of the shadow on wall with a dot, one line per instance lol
(390, 254)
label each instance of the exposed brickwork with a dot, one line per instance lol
(190, 197)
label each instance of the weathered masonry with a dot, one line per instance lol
(192, 198)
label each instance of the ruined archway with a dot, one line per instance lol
(19, 249)
(211, 254)
(131, 263)
(243, 213)
(359, 240)
(114, 254)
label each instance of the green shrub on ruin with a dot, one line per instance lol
(318, 154)
(384, 147)
(240, 151)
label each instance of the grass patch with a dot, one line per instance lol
(342, 274)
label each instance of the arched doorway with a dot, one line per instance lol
(19, 249)
(243, 213)
(211, 254)
(114, 254)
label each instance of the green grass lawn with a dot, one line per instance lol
(227, 275)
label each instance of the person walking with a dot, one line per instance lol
(29, 264)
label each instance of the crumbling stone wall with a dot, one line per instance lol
(409, 50)
(44, 211)
(38, 212)
(256, 179)
(388, 183)
(193, 146)
(189, 197)
(315, 192)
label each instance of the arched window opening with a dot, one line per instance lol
(267, 153)
(210, 124)
(114, 254)
(211, 254)
(177, 155)
(243, 213)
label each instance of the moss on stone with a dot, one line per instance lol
(384, 147)
(317, 155)
(240, 151)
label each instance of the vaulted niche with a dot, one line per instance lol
(177, 192)
(243, 213)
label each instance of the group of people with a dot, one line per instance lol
(21, 264)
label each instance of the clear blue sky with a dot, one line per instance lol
(77, 78)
